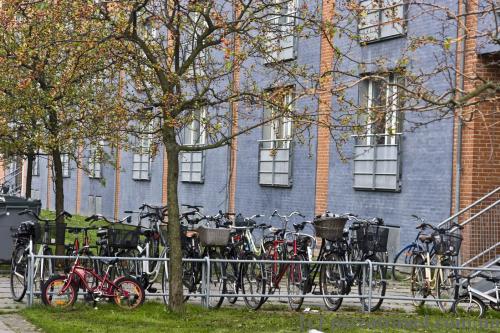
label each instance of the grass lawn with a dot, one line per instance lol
(153, 317)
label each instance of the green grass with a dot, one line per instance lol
(153, 317)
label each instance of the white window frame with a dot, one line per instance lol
(379, 20)
(65, 165)
(189, 41)
(192, 163)
(392, 116)
(281, 36)
(141, 159)
(94, 204)
(95, 160)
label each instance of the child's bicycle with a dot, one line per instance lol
(62, 290)
(471, 304)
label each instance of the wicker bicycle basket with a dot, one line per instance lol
(123, 236)
(330, 228)
(371, 237)
(214, 236)
(447, 244)
(55, 233)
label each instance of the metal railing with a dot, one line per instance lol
(481, 220)
(204, 292)
(10, 180)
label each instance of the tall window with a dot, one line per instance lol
(142, 157)
(281, 34)
(192, 163)
(65, 165)
(381, 19)
(383, 103)
(275, 146)
(35, 168)
(377, 153)
(95, 205)
(193, 28)
(95, 160)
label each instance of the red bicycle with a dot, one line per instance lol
(62, 291)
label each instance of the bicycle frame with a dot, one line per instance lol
(486, 294)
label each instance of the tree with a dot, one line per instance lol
(56, 81)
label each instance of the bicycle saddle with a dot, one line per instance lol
(147, 232)
(109, 261)
(191, 234)
(299, 226)
(426, 238)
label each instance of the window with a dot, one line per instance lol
(275, 146)
(192, 162)
(65, 165)
(35, 168)
(95, 205)
(95, 160)
(381, 19)
(194, 27)
(35, 194)
(377, 153)
(142, 157)
(281, 36)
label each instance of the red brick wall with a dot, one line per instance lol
(480, 150)
(325, 104)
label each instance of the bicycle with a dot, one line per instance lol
(28, 235)
(287, 245)
(62, 290)
(471, 304)
(444, 281)
(368, 240)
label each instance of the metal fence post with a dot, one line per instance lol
(207, 282)
(31, 266)
(370, 281)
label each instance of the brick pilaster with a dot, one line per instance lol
(324, 109)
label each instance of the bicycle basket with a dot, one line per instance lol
(447, 244)
(214, 236)
(55, 233)
(372, 238)
(123, 236)
(330, 228)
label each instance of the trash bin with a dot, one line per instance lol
(393, 240)
(10, 206)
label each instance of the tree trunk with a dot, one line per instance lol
(59, 189)
(176, 298)
(29, 174)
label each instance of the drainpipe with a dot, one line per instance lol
(462, 32)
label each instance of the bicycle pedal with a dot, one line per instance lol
(152, 290)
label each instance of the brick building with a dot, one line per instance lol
(424, 171)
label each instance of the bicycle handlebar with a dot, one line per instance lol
(64, 214)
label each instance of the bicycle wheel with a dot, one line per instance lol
(19, 273)
(216, 281)
(46, 267)
(165, 283)
(332, 282)
(446, 288)
(405, 256)
(467, 306)
(377, 287)
(418, 281)
(128, 267)
(154, 251)
(297, 280)
(253, 282)
(53, 295)
(191, 273)
(231, 270)
(129, 293)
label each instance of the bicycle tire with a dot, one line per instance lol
(253, 281)
(446, 287)
(379, 285)
(216, 281)
(334, 275)
(408, 253)
(463, 307)
(418, 286)
(165, 286)
(297, 282)
(137, 295)
(231, 275)
(47, 267)
(55, 282)
(19, 273)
